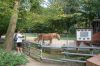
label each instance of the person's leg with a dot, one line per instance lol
(18, 47)
(21, 50)
(18, 50)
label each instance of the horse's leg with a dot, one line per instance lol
(89, 44)
(77, 45)
(50, 41)
(43, 43)
(43, 40)
(38, 40)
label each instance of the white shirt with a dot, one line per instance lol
(19, 37)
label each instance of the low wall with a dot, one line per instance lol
(94, 61)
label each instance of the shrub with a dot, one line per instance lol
(11, 59)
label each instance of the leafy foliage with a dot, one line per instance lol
(6, 10)
(59, 16)
(10, 59)
(5, 13)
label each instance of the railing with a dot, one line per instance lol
(31, 50)
(38, 50)
(78, 54)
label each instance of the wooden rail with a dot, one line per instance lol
(63, 59)
(82, 47)
(79, 54)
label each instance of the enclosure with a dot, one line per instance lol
(61, 51)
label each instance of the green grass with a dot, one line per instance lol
(68, 37)
(30, 34)
(2, 46)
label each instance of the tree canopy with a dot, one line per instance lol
(58, 16)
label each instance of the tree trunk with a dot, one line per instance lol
(0, 36)
(11, 28)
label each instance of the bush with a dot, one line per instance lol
(11, 59)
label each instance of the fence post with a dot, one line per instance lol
(92, 50)
(41, 51)
(29, 49)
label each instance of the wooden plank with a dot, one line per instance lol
(79, 61)
(51, 47)
(82, 47)
(64, 60)
(79, 54)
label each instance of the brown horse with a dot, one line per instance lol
(49, 36)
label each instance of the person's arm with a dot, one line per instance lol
(21, 36)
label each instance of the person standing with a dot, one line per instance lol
(19, 40)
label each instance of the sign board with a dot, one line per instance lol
(83, 34)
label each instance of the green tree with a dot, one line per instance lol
(12, 27)
(14, 17)
(5, 13)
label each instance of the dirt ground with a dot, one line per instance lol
(33, 62)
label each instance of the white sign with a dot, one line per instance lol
(83, 34)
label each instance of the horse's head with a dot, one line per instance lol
(36, 39)
(58, 36)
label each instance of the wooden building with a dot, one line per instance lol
(96, 25)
